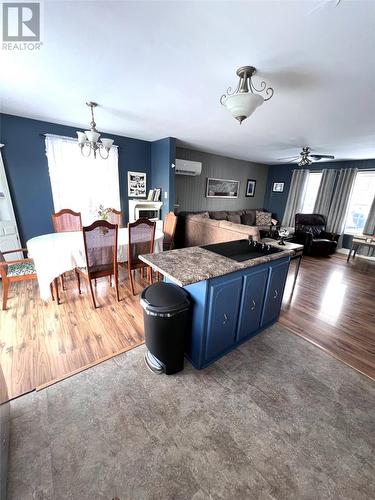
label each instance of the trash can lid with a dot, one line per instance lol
(164, 298)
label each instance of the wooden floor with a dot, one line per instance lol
(333, 306)
(43, 342)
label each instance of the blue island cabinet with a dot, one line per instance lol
(230, 309)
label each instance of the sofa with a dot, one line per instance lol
(310, 231)
(204, 228)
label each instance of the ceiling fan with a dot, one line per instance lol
(306, 158)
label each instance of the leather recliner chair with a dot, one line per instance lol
(310, 231)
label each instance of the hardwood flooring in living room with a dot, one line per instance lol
(333, 306)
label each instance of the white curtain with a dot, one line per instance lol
(82, 184)
(295, 196)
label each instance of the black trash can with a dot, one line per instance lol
(166, 319)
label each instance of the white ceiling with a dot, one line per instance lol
(159, 68)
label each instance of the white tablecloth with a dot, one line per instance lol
(56, 253)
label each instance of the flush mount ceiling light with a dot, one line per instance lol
(243, 101)
(89, 139)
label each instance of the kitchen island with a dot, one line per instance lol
(233, 297)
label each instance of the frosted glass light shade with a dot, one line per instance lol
(241, 106)
(92, 136)
(81, 137)
(107, 143)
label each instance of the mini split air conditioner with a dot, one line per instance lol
(187, 167)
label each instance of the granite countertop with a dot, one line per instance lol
(185, 266)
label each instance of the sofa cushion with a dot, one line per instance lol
(263, 218)
(187, 215)
(314, 230)
(248, 219)
(205, 221)
(234, 217)
(219, 215)
(240, 229)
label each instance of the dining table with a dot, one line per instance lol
(57, 253)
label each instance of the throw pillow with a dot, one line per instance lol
(263, 218)
(248, 219)
(236, 218)
(205, 215)
(219, 215)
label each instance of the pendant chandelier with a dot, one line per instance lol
(88, 141)
(243, 101)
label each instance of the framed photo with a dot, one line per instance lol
(222, 188)
(157, 193)
(137, 184)
(250, 187)
(278, 187)
(150, 196)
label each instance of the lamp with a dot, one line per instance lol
(89, 139)
(243, 101)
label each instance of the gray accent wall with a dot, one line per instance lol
(191, 191)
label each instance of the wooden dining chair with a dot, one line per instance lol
(141, 238)
(66, 220)
(100, 242)
(169, 229)
(115, 217)
(16, 270)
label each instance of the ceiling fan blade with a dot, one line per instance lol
(319, 157)
(289, 158)
(292, 161)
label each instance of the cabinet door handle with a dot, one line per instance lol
(276, 294)
(253, 304)
(225, 319)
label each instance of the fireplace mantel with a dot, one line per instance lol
(136, 205)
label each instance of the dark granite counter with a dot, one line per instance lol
(189, 265)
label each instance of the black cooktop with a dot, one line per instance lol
(241, 250)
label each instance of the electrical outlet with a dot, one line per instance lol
(165, 195)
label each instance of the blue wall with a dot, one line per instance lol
(27, 169)
(276, 202)
(163, 155)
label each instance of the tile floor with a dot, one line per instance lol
(278, 418)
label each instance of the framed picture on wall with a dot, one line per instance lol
(137, 184)
(278, 187)
(250, 187)
(222, 188)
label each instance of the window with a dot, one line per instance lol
(311, 192)
(82, 184)
(360, 202)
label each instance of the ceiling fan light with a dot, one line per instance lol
(92, 136)
(241, 106)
